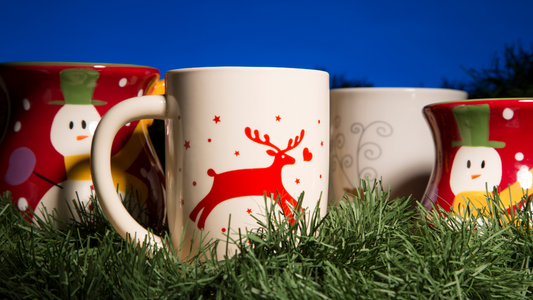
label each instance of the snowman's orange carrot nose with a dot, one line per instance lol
(81, 137)
(475, 176)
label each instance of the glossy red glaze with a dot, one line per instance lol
(33, 99)
(509, 121)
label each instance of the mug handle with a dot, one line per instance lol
(143, 107)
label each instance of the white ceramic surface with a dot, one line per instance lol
(381, 133)
(217, 165)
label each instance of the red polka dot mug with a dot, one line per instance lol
(233, 135)
(48, 114)
(481, 145)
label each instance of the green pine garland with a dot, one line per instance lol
(371, 248)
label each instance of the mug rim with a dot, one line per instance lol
(68, 64)
(224, 68)
(481, 100)
(404, 89)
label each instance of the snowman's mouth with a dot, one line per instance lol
(475, 176)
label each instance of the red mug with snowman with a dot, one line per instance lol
(482, 145)
(50, 113)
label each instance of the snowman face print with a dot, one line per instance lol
(73, 128)
(475, 169)
(484, 162)
(74, 124)
(477, 165)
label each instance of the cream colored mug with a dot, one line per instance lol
(233, 134)
(381, 134)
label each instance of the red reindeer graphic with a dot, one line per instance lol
(251, 182)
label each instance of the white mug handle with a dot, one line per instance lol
(143, 107)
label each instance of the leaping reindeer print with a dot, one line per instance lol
(251, 182)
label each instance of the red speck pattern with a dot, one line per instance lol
(251, 182)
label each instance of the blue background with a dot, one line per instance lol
(389, 43)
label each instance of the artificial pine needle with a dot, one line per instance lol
(371, 248)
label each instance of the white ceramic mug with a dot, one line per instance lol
(381, 133)
(232, 135)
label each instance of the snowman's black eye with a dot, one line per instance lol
(83, 124)
(483, 164)
(71, 125)
(468, 164)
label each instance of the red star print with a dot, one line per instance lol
(182, 202)
(249, 210)
(318, 121)
(187, 145)
(237, 153)
(216, 119)
(278, 118)
(322, 144)
(297, 181)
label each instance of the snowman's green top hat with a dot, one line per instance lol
(78, 86)
(473, 123)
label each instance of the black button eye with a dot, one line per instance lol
(483, 164)
(71, 125)
(468, 164)
(83, 124)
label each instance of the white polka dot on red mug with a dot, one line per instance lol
(483, 145)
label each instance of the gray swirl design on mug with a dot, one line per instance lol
(369, 150)
(338, 142)
(346, 160)
(336, 122)
(368, 172)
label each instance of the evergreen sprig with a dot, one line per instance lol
(371, 248)
(510, 75)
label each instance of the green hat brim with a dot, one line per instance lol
(473, 124)
(491, 144)
(93, 102)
